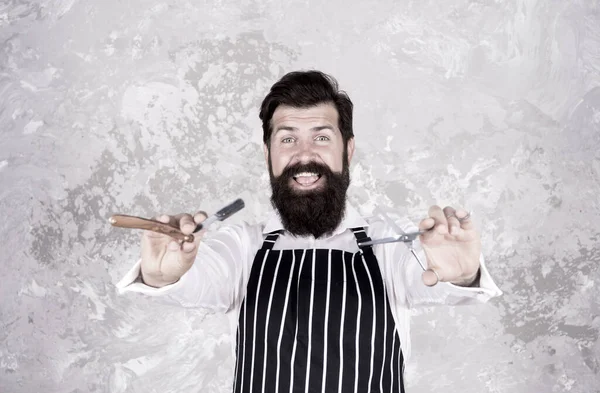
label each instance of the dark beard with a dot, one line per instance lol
(313, 212)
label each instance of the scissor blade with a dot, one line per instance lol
(382, 241)
(406, 238)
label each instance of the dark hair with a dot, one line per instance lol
(304, 89)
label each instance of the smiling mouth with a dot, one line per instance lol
(307, 178)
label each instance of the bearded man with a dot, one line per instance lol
(311, 310)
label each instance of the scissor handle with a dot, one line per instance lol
(410, 237)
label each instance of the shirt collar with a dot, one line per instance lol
(352, 219)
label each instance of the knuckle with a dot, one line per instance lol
(162, 218)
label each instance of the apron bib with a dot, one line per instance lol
(317, 320)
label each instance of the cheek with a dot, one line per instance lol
(277, 164)
(335, 161)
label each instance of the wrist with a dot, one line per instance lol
(154, 283)
(472, 281)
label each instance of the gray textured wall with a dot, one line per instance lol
(148, 106)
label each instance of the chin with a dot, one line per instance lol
(312, 191)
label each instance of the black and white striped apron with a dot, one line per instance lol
(317, 320)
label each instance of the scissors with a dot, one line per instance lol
(407, 238)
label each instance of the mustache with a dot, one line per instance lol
(312, 166)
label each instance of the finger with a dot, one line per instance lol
(431, 277)
(155, 245)
(426, 224)
(165, 219)
(465, 219)
(189, 250)
(183, 247)
(441, 224)
(200, 216)
(185, 223)
(173, 245)
(453, 223)
(189, 247)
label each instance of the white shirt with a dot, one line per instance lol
(217, 279)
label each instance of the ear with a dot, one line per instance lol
(350, 149)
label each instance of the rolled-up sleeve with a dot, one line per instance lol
(217, 279)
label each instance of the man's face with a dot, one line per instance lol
(308, 165)
(307, 135)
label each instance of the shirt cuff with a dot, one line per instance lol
(132, 282)
(487, 287)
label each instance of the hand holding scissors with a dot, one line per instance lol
(451, 244)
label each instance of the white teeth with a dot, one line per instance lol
(306, 174)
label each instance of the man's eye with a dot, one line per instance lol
(322, 138)
(287, 140)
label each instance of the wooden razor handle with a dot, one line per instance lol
(133, 222)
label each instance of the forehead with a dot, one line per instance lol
(322, 113)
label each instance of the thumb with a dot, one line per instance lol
(190, 249)
(431, 277)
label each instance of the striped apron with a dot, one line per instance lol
(317, 320)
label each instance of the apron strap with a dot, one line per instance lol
(270, 240)
(361, 236)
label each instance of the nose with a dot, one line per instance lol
(306, 153)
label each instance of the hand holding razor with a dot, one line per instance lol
(134, 222)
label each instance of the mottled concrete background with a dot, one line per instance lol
(148, 106)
